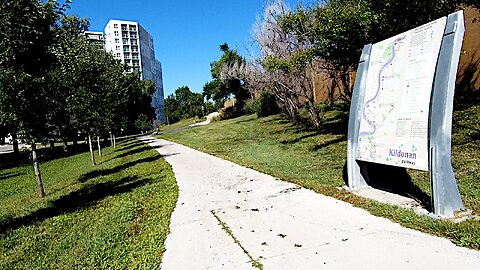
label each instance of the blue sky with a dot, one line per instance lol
(187, 34)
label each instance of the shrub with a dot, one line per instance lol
(230, 112)
(252, 107)
(263, 106)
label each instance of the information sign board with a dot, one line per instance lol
(394, 121)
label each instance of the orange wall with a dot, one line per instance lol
(468, 76)
(469, 66)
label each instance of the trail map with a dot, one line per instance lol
(394, 123)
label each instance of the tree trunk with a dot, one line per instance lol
(111, 139)
(92, 157)
(16, 150)
(52, 144)
(38, 176)
(114, 141)
(75, 142)
(99, 147)
(65, 145)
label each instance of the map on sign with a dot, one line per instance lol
(394, 123)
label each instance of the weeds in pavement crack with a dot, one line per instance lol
(255, 263)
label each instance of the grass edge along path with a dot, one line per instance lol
(115, 215)
(315, 161)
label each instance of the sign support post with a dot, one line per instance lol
(357, 173)
(446, 199)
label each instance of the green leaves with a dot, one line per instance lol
(183, 104)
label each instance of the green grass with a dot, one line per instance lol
(316, 160)
(115, 215)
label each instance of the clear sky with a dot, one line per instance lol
(187, 34)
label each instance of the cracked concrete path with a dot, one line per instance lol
(228, 215)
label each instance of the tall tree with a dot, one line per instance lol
(25, 60)
(222, 87)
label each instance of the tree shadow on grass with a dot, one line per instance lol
(129, 146)
(329, 142)
(77, 200)
(134, 151)
(5, 176)
(248, 120)
(298, 139)
(9, 160)
(97, 173)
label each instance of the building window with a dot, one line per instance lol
(116, 33)
(134, 42)
(117, 47)
(125, 41)
(117, 40)
(117, 55)
(115, 26)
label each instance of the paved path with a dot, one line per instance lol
(283, 226)
(207, 121)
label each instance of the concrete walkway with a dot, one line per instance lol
(228, 215)
(207, 121)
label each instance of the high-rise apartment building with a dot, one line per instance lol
(94, 37)
(133, 45)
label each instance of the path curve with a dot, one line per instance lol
(283, 226)
(207, 121)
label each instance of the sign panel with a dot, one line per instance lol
(394, 122)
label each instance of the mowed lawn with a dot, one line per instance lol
(112, 216)
(316, 160)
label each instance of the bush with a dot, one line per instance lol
(216, 118)
(230, 112)
(252, 107)
(263, 106)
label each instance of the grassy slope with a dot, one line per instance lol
(113, 216)
(182, 123)
(316, 161)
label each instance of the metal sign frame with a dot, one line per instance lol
(446, 199)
